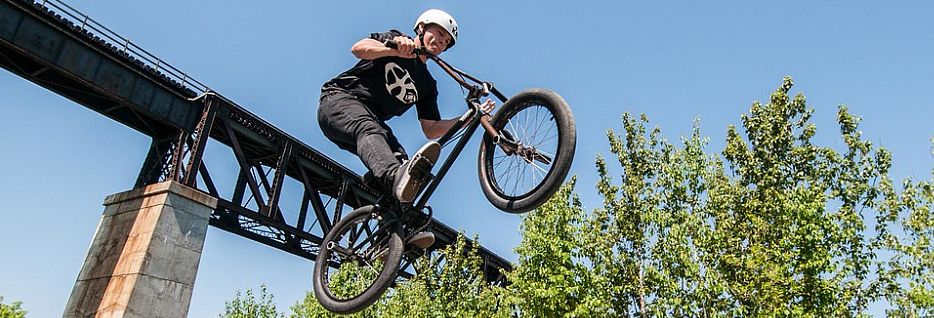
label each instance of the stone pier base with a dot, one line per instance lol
(144, 257)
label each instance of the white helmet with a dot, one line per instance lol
(442, 19)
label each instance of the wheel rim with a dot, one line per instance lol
(356, 249)
(518, 175)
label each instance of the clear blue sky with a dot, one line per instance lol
(674, 61)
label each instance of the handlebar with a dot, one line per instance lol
(418, 51)
(458, 75)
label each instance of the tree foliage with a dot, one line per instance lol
(248, 306)
(904, 232)
(549, 281)
(773, 225)
(13, 310)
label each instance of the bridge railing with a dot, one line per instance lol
(109, 39)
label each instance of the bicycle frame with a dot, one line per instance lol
(473, 118)
(472, 121)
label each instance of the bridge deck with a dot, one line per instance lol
(63, 50)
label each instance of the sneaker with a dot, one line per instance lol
(423, 240)
(372, 181)
(412, 174)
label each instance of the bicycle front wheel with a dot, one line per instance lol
(358, 260)
(533, 154)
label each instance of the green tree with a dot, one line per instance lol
(549, 281)
(451, 283)
(905, 232)
(773, 226)
(656, 217)
(448, 283)
(791, 239)
(13, 310)
(248, 306)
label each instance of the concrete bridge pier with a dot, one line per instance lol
(144, 256)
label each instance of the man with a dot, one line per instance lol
(385, 83)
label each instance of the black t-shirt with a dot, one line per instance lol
(389, 86)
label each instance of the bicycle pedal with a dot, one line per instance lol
(425, 169)
(421, 169)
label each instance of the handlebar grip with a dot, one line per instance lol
(392, 45)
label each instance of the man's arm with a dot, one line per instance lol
(436, 128)
(370, 49)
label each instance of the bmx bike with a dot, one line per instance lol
(525, 155)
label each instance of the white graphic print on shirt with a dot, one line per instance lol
(400, 84)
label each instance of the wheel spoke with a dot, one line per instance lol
(525, 123)
(537, 127)
(550, 137)
(499, 159)
(519, 177)
(514, 131)
(369, 265)
(371, 239)
(506, 171)
(497, 164)
(538, 168)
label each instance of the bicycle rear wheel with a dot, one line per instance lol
(358, 260)
(537, 142)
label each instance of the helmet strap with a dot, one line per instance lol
(421, 41)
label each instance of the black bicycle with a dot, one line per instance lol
(525, 155)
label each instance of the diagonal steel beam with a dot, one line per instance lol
(316, 204)
(281, 165)
(201, 133)
(245, 168)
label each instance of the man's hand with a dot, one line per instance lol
(405, 47)
(488, 106)
(437, 128)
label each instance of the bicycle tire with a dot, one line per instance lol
(391, 244)
(557, 115)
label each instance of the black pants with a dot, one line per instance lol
(353, 127)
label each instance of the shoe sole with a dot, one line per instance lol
(423, 244)
(418, 172)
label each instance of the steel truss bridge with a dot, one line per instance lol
(59, 48)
